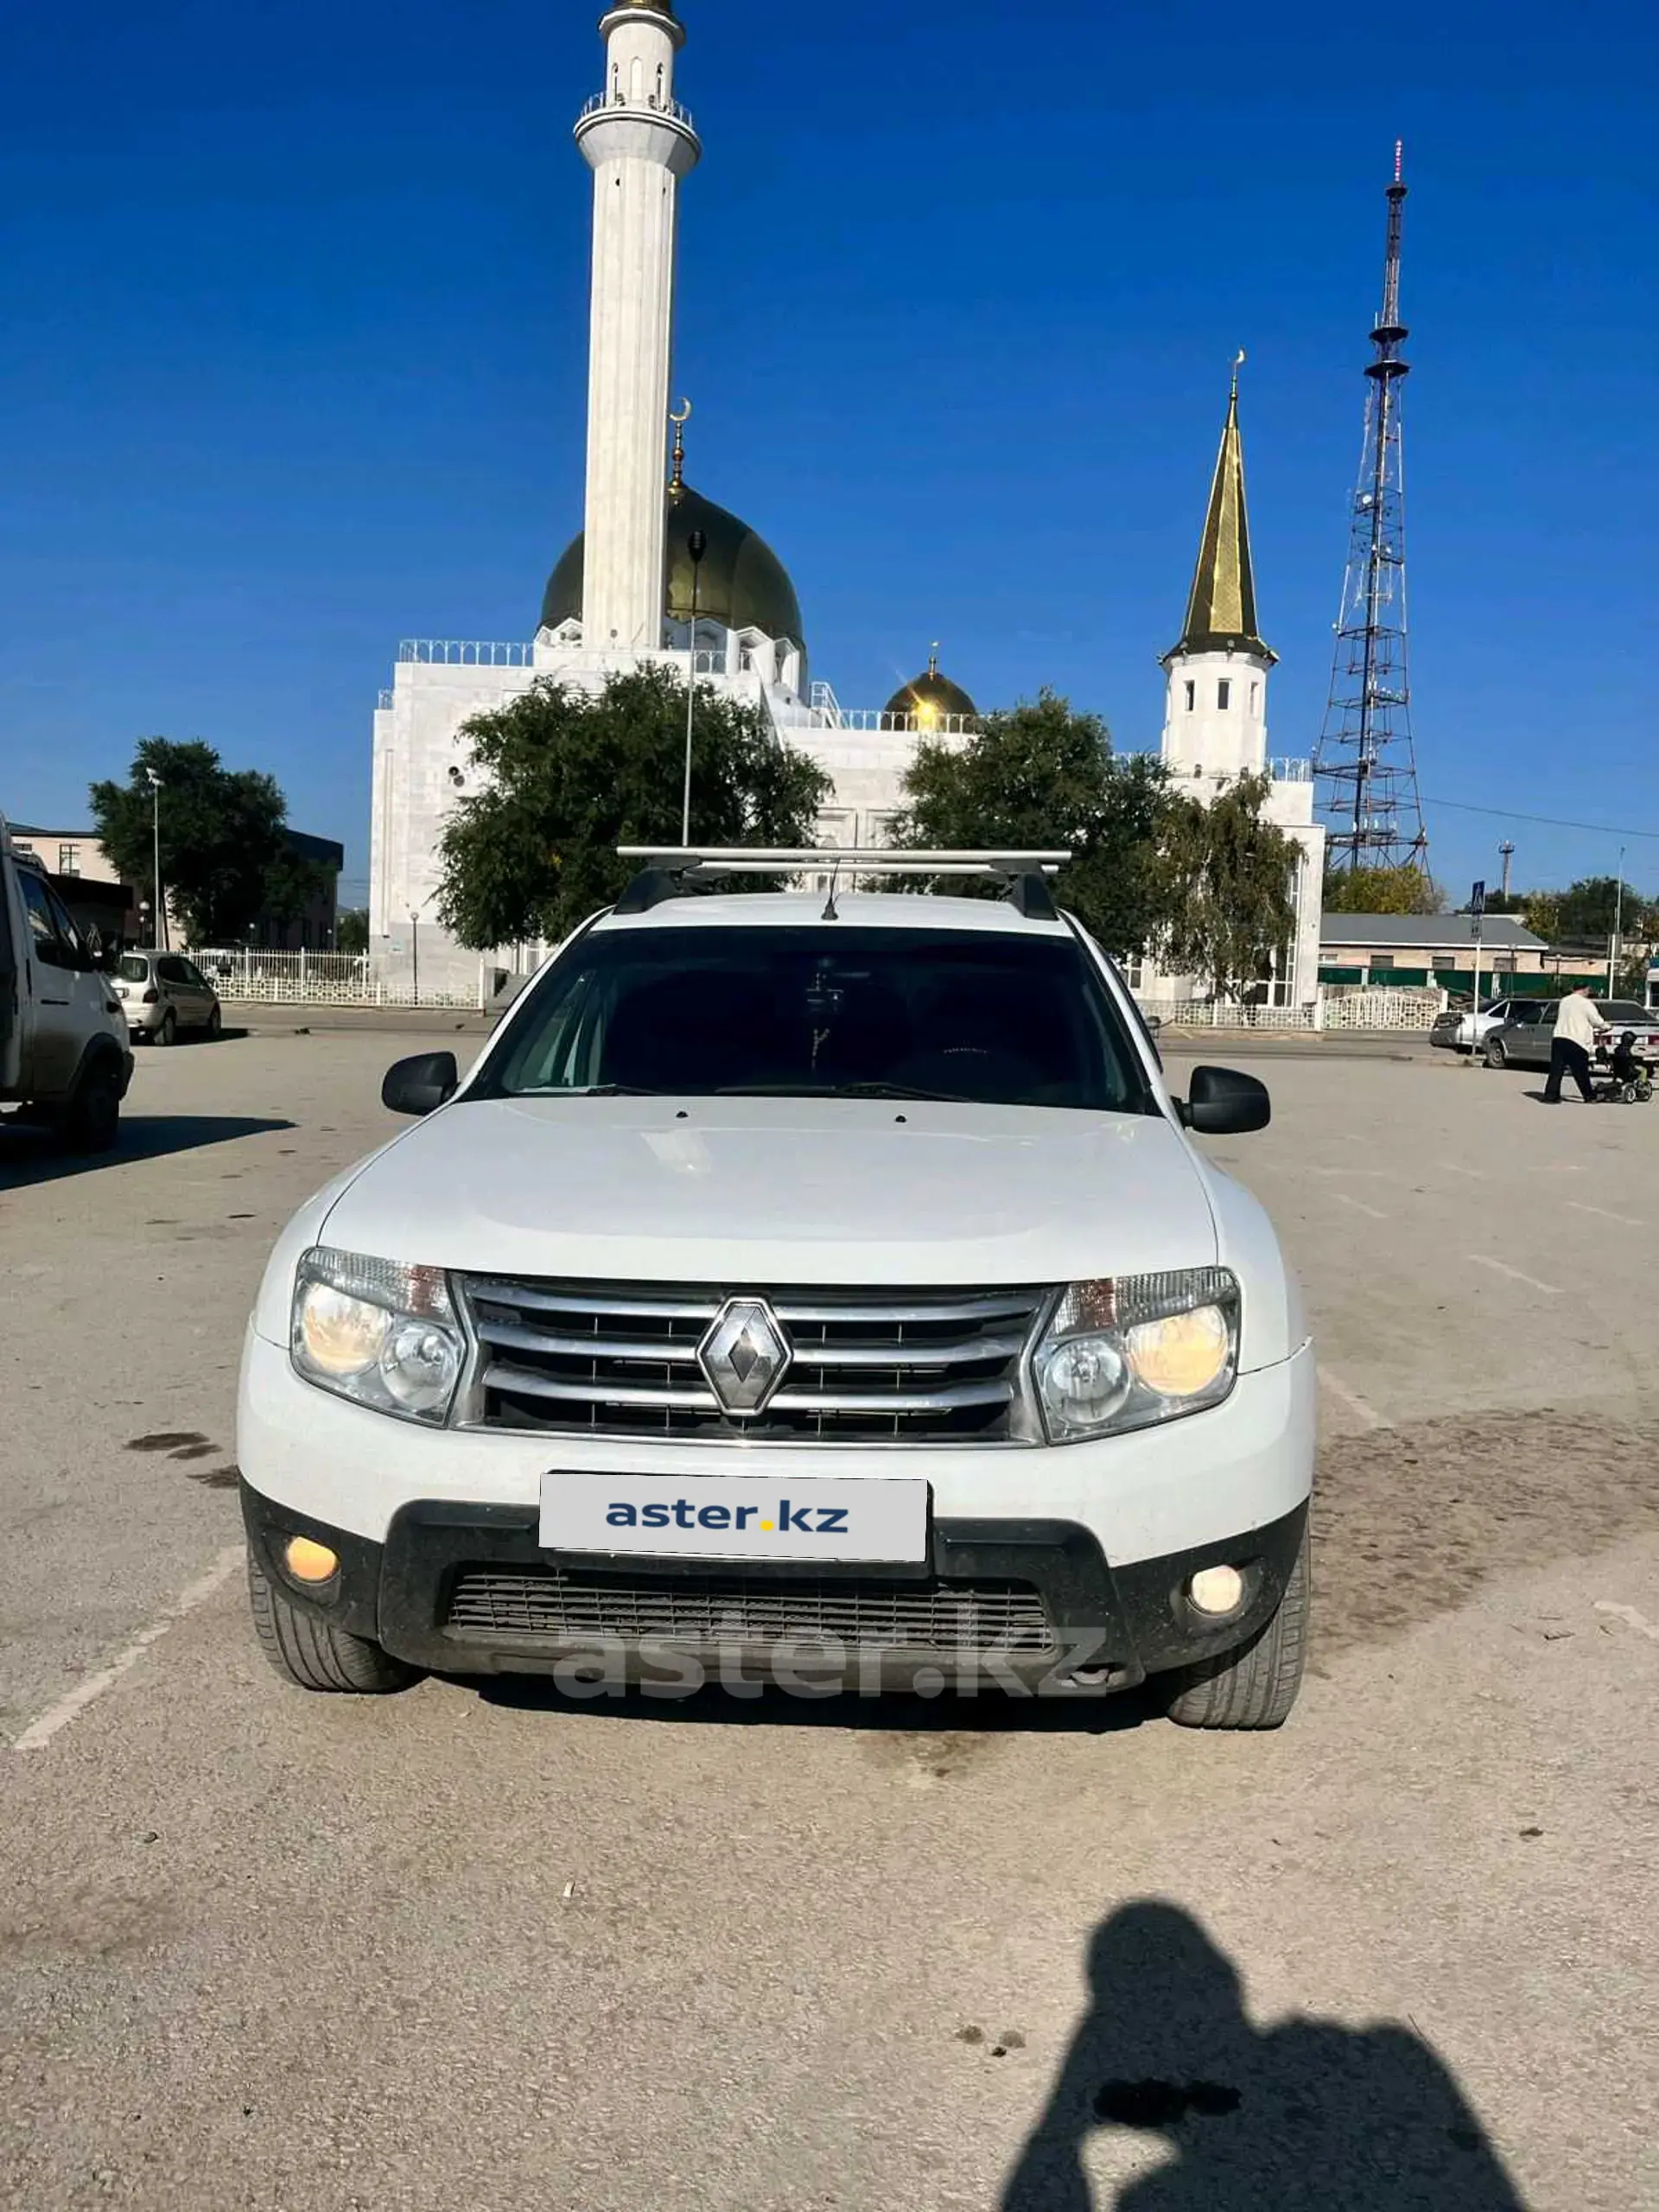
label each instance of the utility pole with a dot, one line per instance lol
(1618, 928)
(1364, 763)
(155, 834)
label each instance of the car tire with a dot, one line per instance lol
(1256, 1686)
(215, 1024)
(1495, 1055)
(92, 1121)
(316, 1655)
(168, 1033)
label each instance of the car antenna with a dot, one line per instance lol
(830, 913)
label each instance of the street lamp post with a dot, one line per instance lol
(696, 545)
(414, 947)
(156, 832)
(1619, 926)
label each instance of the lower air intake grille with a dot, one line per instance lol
(563, 1604)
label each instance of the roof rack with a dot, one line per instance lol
(669, 872)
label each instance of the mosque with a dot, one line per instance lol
(628, 591)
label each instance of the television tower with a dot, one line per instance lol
(1365, 765)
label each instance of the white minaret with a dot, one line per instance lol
(1215, 706)
(639, 143)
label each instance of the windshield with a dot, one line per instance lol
(976, 1014)
(133, 969)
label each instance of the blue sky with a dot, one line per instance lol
(295, 362)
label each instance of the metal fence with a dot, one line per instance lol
(330, 979)
(1341, 1008)
(370, 979)
(1220, 1013)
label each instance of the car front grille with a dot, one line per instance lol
(557, 1605)
(883, 1366)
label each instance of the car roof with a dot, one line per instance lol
(859, 909)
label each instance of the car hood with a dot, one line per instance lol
(770, 1190)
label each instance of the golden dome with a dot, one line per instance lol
(740, 580)
(929, 699)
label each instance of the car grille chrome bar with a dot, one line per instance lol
(617, 1359)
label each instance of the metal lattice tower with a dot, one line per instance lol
(1365, 764)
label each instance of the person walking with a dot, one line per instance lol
(1578, 1025)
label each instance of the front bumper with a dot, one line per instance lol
(1104, 1534)
(1029, 1607)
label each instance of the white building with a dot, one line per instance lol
(622, 594)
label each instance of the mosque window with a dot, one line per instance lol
(1256, 698)
(1192, 695)
(1223, 694)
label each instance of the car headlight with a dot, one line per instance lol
(1129, 1351)
(379, 1334)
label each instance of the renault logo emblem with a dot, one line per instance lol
(745, 1355)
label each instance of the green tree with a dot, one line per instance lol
(352, 930)
(291, 884)
(569, 776)
(1590, 907)
(1041, 777)
(1541, 911)
(1382, 891)
(221, 834)
(1231, 874)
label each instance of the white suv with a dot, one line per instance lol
(819, 1293)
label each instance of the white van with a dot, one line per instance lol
(65, 1060)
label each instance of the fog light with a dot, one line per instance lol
(1217, 1589)
(310, 1562)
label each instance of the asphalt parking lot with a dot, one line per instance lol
(475, 1946)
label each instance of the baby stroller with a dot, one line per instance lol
(1630, 1079)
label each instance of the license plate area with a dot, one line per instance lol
(819, 1519)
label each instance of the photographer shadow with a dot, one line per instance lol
(1305, 2113)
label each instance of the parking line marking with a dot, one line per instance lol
(1581, 1205)
(1360, 1206)
(1629, 1614)
(39, 1733)
(1455, 1167)
(1503, 1267)
(1360, 1407)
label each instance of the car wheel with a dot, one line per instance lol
(169, 1031)
(1495, 1055)
(215, 1023)
(92, 1120)
(1256, 1686)
(314, 1654)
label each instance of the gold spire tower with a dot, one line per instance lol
(1221, 607)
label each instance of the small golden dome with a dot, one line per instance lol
(928, 699)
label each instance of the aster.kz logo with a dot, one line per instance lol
(785, 1518)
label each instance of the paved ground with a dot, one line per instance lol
(476, 1949)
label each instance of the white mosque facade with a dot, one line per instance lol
(622, 595)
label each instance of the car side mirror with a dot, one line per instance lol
(1222, 1102)
(420, 1085)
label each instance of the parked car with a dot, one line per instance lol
(64, 1061)
(1526, 1040)
(791, 1290)
(164, 993)
(1460, 1029)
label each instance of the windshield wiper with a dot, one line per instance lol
(588, 1090)
(838, 1090)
